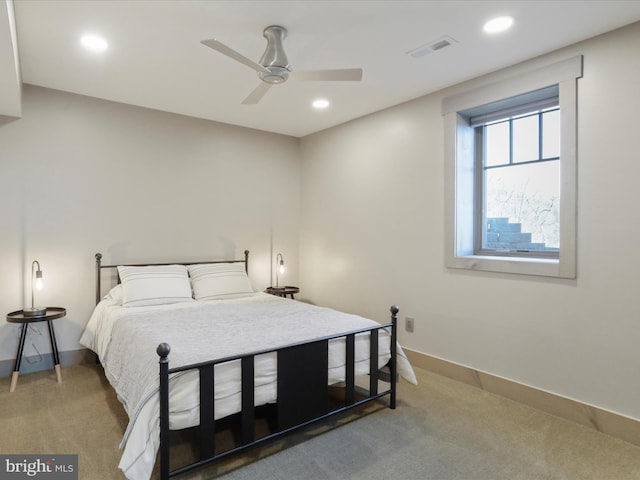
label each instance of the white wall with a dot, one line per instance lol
(373, 234)
(80, 175)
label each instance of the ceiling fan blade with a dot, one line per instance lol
(229, 52)
(257, 94)
(340, 75)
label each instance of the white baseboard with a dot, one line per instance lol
(604, 421)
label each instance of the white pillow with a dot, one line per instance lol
(213, 281)
(154, 285)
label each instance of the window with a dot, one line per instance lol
(517, 184)
(511, 173)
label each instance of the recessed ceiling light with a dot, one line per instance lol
(498, 24)
(94, 43)
(320, 104)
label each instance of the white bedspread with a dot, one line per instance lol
(125, 339)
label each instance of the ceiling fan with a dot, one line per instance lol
(274, 66)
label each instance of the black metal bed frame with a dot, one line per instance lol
(302, 385)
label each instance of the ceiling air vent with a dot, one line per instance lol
(439, 44)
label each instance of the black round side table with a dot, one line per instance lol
(283, 291)
(50, 314)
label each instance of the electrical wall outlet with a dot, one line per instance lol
(408, 324)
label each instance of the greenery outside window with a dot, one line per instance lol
(510, 158)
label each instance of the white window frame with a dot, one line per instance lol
(459, 171)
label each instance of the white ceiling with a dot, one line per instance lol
(155, 58)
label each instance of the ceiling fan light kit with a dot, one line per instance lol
(274, 67)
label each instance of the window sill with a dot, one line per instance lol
(516, 265)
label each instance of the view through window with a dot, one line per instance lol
(520, 184)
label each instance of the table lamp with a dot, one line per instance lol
(280, 269)
(36, 284)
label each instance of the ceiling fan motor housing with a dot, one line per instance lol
(274, 59)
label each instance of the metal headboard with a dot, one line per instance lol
(100, 268)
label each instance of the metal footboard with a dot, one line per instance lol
(302, 391)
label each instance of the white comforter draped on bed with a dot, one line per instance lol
(125, 339)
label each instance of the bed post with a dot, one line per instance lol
(393, 363)
(163, 352)
(98, 260)
(246, 262)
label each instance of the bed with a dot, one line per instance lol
(186, 345)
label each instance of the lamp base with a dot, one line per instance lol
(34, 312)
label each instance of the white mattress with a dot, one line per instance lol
(125, 339)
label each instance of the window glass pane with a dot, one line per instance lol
(497, 144)
(522, 207)
(551, 134)
(525, 139)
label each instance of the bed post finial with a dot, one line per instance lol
(163, 351)
(394, 311)
(98, 258)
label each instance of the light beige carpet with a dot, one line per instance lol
(441, 430)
